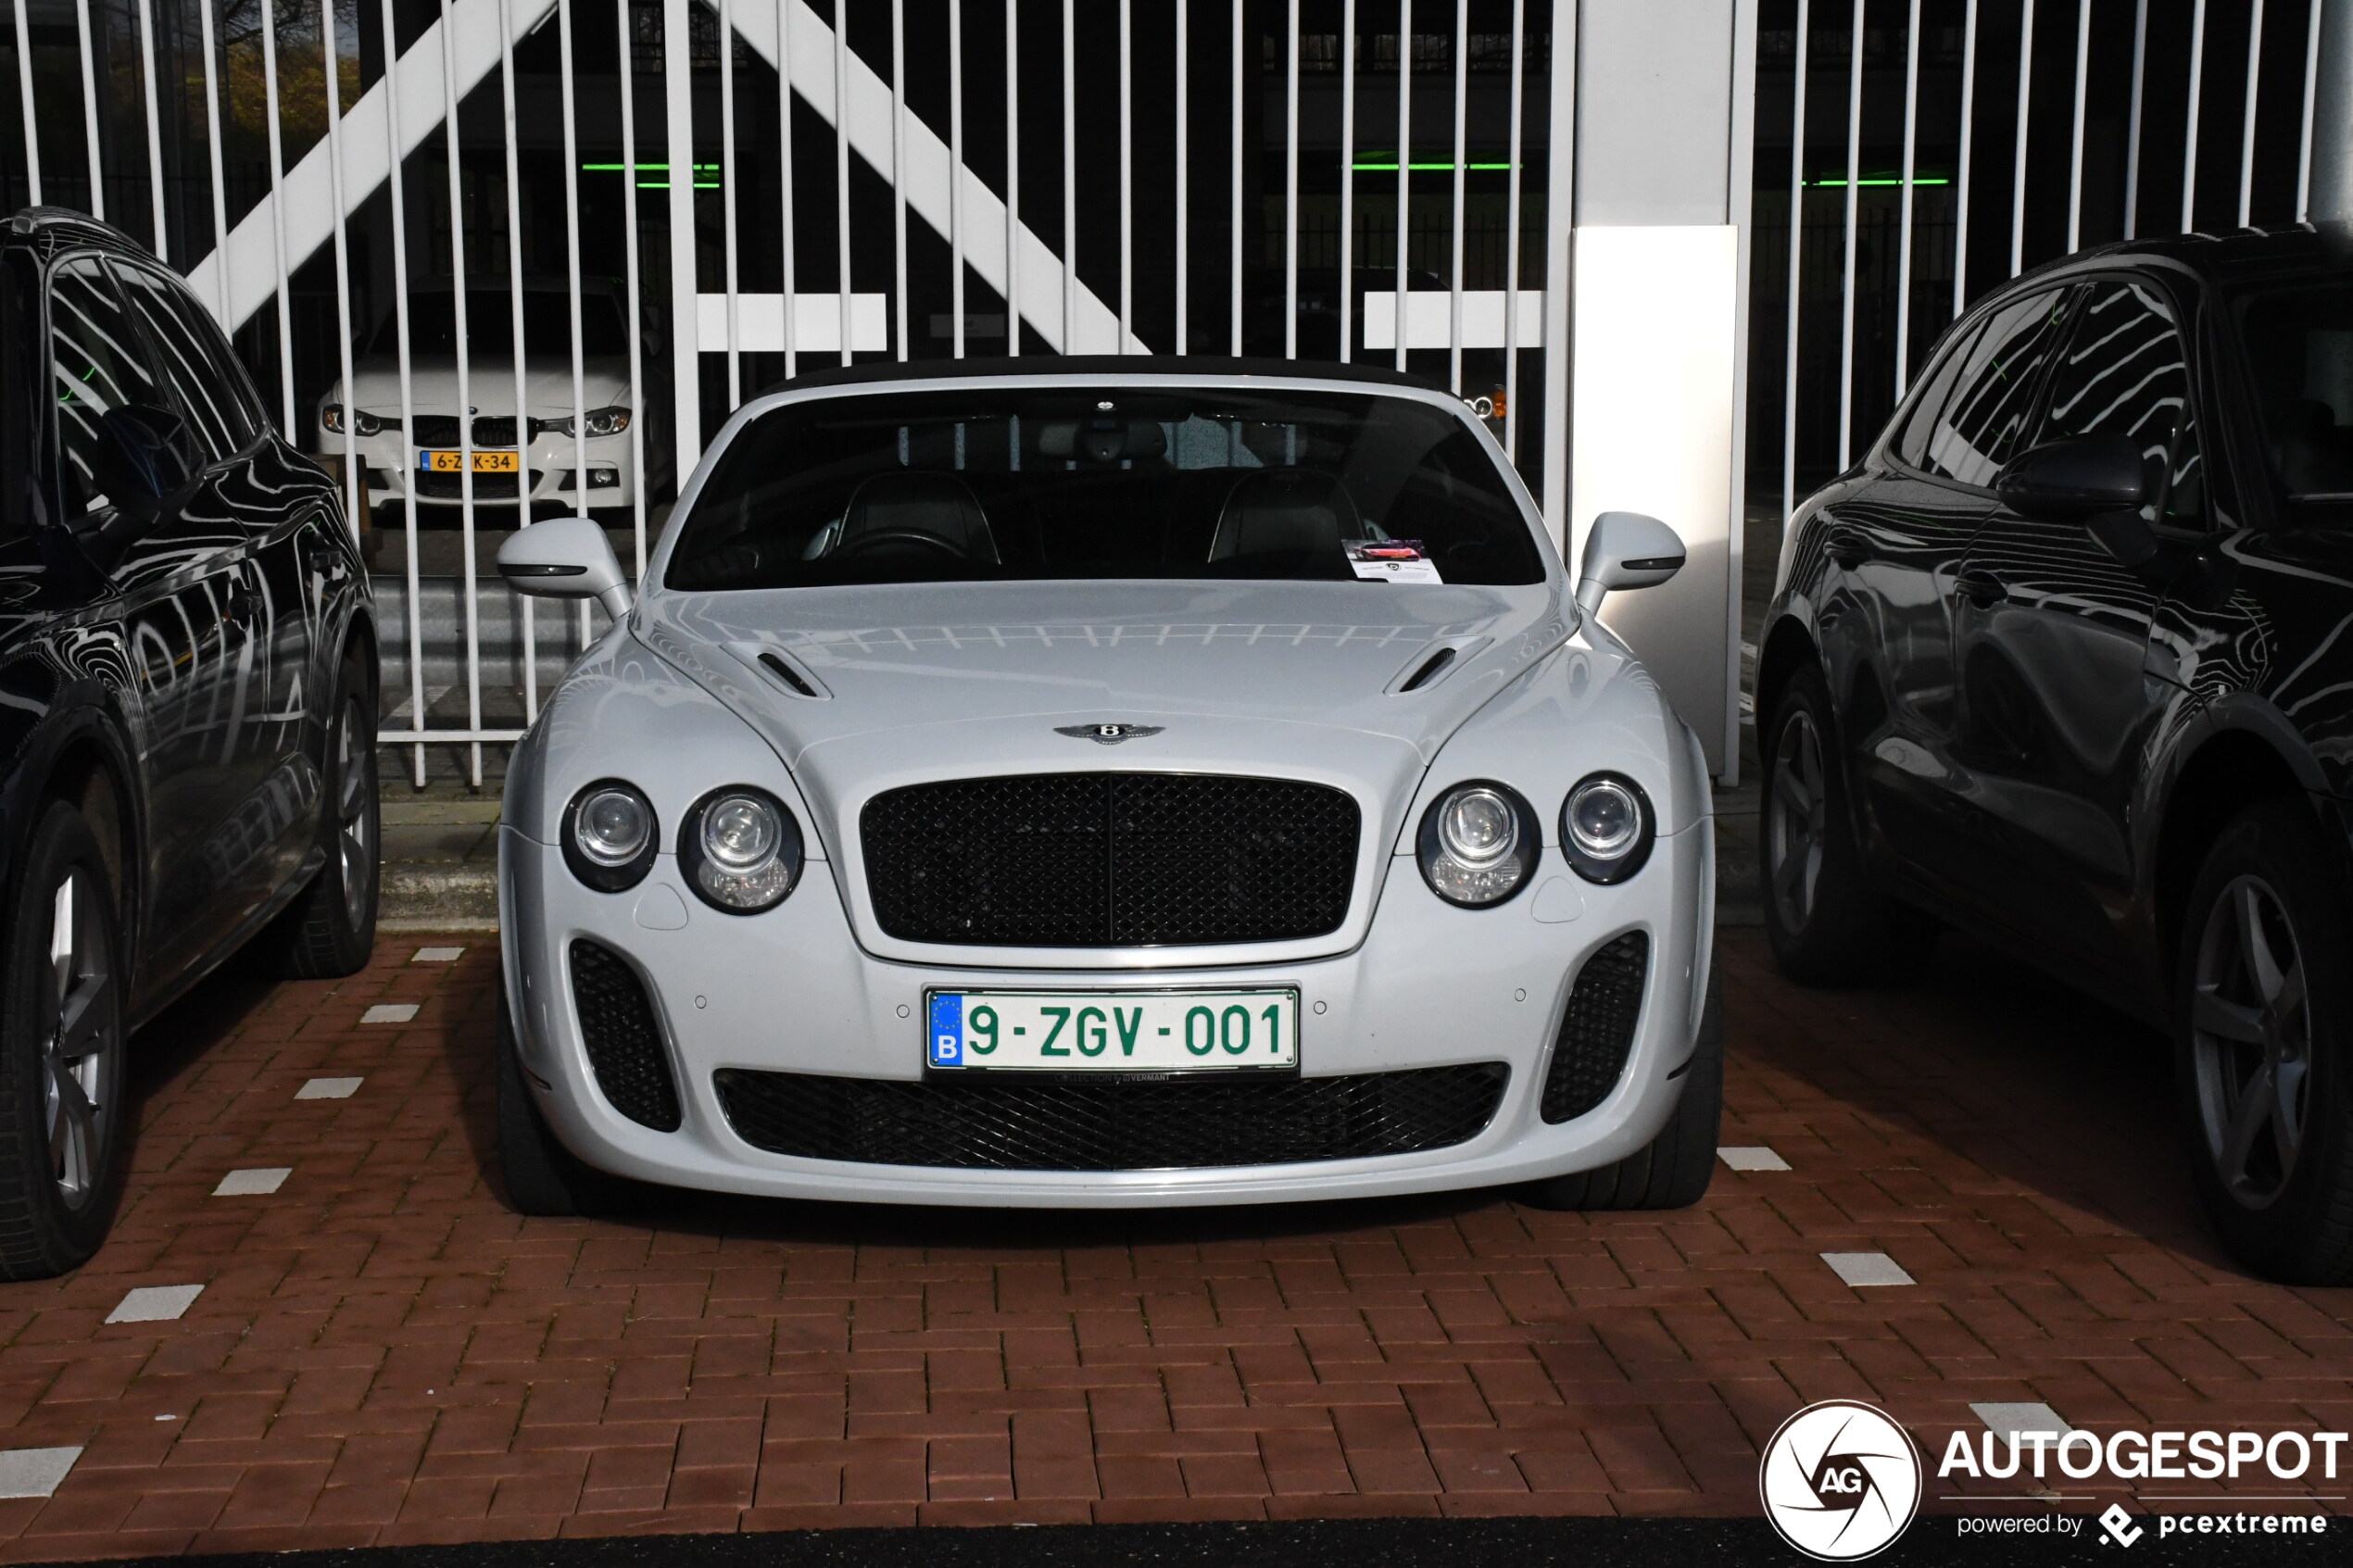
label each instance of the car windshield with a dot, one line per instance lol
(490, 326)
(1057, 483)
(2299, 344)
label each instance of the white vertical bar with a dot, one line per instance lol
(1854, 191)
(1961, 170)
(956, 176)
(155, 122)
(1406, 153)
(1560, 206)
(726, 221)
(2247, 136)
(275, 143)
(1127, 179)
(1012, 180)
(678, 139)
(515, 325)
(408, 386)
(898, 169)
(2304, 138)
(785, 9)
(90, 103)
(1511, 231)
(630, 264)
(1462, 156)
(1796, 256)
(1903, 219)
(842, 174)
(1348, 176)
(2018, 167)
(1234, 187)
(1184, 188)
(571, 247)
(1290, 186)
(1742, 213)
(2189, 135)
(331, 56)
(32, 127)
(2075, 136)
(449, 140)
(1070, 184)
(2133, 125)
(220, 187)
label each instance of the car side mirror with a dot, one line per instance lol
(2071, 479)
(1625, 550)
(565, 557)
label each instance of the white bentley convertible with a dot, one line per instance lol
(1107, 783)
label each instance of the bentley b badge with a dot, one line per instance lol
(1107, 734)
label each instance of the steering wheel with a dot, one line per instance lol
(884, 538)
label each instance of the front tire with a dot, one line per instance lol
(2264, 1029)
(1828, 924)
(330, 928)
(62, 1123)
(1672, 1171)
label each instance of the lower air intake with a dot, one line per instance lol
(623, 1039)
(1597, 1028)
(1104, 1124)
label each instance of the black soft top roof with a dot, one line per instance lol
(1083, 366)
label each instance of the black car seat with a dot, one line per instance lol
(1285, 511)
(911, 512)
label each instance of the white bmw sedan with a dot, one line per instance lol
(1094, 782)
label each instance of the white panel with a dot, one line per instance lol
(1653, 352)
(1429, 319)
(760, 323)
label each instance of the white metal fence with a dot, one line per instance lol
(766, 183)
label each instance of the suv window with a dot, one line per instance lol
(1985, 424)
(2126, 372)
(98, 373)
(1912, 445)
(204, 378)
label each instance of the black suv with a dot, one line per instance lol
(2066, 660)
(187, 703)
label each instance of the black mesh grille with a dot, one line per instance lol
(1108, 1124)
(1597, 1028)
(450, 486)
(441, 429)
(625, 1043)
(1110, 859)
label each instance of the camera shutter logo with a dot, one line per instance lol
(1840, 1480)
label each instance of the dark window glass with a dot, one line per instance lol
(1985, 424)
(99, 377)
(2300, 349)
(2126, 372)
(204, 377)
(490, 326)
(1043, 482)
(1919, 426)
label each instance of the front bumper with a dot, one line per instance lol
(551, 463)
(791, 991)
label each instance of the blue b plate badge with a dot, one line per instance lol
(1112, 1031)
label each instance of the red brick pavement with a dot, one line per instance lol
(383, 1354)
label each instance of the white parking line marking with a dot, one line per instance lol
(255, 1182)
(155, 1303)
(389, 1012)
(1867, 1268)
(34, 1473)
(329, 1088)
(1758, 1158)
(2005, 1420)
(438, 955)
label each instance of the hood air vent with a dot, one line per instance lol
(776, 666)
(1431, 667)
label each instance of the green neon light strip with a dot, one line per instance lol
(1841, 184)
(1391, 167)
(643, 167)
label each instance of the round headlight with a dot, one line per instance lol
(1607, 828)
(609, 835)
(740, 850)
(1477, 844)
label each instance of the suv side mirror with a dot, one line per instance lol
(1625, 550)
(2068, 479)
(565, 557)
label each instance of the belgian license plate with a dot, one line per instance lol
(1112, 1031)
(454, 462)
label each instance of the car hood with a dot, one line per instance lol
(433, 385)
